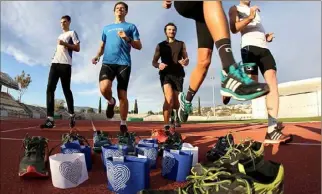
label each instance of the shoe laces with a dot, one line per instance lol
(34, 145)
(188, 107)
(209, 178)
(73, 135)
(127, 138)
(239, 73)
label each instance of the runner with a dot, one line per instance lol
(254, 49)
(117, 40)
(61, 67)
(212, 28)
(174, 58)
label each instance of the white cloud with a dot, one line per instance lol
(29, 31)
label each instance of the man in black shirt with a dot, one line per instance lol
(174, 58)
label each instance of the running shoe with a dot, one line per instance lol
(34, 161)
(238, 85)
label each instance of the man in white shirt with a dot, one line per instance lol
(61, 68)
(254, 49)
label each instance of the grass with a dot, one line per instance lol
(305, 119)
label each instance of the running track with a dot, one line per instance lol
(301, 159)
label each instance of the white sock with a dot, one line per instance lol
(272, 123)
(51, 118)
(123, 122)
(112, 101)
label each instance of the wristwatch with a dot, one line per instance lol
(130, 40)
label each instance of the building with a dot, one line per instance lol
(297, 99)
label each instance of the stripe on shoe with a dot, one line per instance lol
(232, 84)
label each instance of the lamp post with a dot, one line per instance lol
(213, 94)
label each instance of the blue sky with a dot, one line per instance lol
(29, 31)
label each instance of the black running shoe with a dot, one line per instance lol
(72, 121)
(277, 136)
(221, 147)
(48, 124)
(110, 109)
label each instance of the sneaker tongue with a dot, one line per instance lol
(241, 168)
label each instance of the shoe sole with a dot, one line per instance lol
(228, 93)
(41, 127)
(285, 141)
(179, 115)
(31, 172)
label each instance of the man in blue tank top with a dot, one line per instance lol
(117, 40)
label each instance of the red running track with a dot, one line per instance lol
(301, 159)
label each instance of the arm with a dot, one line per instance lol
(135, 42)
(100, 50)
(76, 46)
(185, 54)
(235, 24)
(156, 57)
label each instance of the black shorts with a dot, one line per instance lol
(176, 82)
(194, 10)
(261, 56)
(121, 72)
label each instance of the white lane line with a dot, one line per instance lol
(18, 129)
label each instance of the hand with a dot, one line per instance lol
(253, 11)
(166, 4)
(184, 62)
(60, 42)
(269, 37)
(122, 35)
(162, 66)
(95, 60)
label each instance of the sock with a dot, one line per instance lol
(112, 101)
(123, 122)
(272, 122)
(190, 94)
(51, 118)
(225, 53)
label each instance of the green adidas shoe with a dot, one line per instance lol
(185, 108)
(33, 163)
(238, 85)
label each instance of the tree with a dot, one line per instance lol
(100, 106)
(117, 109)
(59, 104)
(82, 110)
(199, 108)
(150, 112)
(23, 81)
(90, 110)
(136, 111)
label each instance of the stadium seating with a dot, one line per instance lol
(13, 108)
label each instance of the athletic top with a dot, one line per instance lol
(117, 51)
(170, 54)
(62, 54)
(254, 33)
